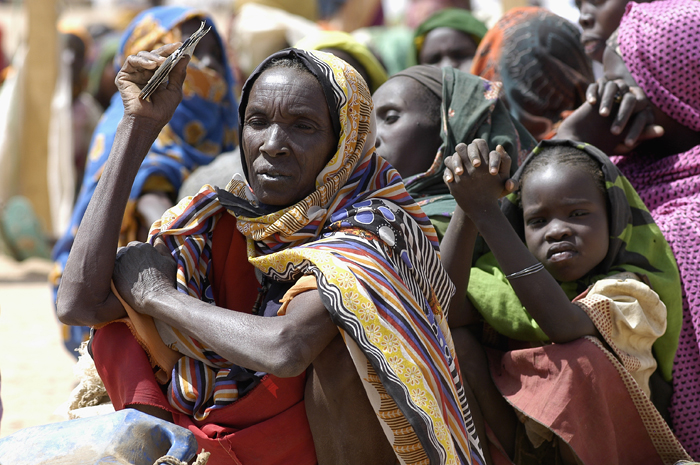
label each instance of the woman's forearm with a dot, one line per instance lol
(84, 296)
(283, 346)
(540, 294)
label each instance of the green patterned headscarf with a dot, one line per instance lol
(636, 245)
(454, 18)
(470, 110)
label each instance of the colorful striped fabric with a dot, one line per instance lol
(375, 257)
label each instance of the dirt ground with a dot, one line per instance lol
(36, 370)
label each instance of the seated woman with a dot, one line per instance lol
(409, 135)
(577, 262)
(356, 362)
(448, 38)
(647, 112)
(348, 49)
(538, 57)
(203, 126)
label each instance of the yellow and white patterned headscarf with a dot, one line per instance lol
(350, 105)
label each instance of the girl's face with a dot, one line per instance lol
(566, 221)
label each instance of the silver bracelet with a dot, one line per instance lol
(526, 271)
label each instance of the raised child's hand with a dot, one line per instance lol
(134, 75)
(476, 175)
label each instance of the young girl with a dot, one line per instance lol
(576, 260)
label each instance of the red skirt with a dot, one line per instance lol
(587, 398)
(266, 426)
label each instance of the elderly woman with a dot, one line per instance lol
(277, 298)
(203, 126)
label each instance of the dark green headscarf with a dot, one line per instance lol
(636, 245)
(454, 18)
(470, 110)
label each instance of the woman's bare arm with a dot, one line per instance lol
(284, 345)
(84, 296)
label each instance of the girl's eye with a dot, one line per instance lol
(579, 213)
(534, 222)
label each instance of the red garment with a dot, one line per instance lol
(266, 426)
(544, 383)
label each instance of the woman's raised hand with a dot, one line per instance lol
(475, 175)
(631, 112)
(134, 75)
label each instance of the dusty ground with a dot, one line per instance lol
(36, 369)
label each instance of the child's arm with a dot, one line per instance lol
(457, 246)
(476, 192)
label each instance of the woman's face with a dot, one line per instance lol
(566, 221)
(599, 19)
(288, 135)
(406, 136)
(447, 47)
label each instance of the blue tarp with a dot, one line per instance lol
(124, 437)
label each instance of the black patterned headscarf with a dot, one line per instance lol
(538, 57)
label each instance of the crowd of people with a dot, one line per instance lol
(486, 255)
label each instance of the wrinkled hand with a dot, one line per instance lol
(631, 112)
(134, 75)
(141, 271)
(476, 175)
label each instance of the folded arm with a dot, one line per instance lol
(284, 345)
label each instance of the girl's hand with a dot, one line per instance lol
(631, 111)
(134, 75)
(476, 175)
